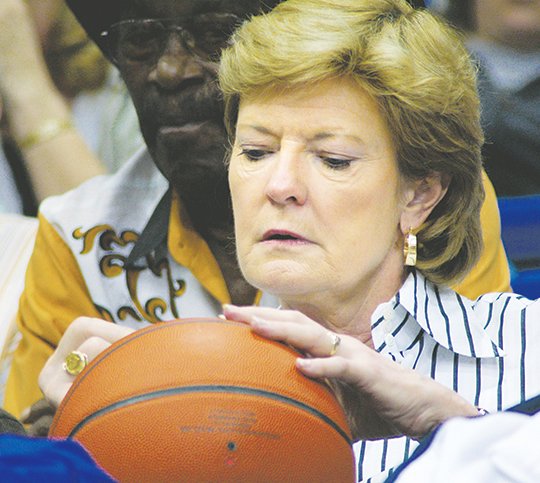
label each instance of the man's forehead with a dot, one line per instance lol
(179, 8)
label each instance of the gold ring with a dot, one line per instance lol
(336, 340)
(75, 362)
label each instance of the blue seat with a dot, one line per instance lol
(520, 225)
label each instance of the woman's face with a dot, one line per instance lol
(316, 193)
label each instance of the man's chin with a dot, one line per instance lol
(192, 155)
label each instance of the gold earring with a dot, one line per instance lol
(409, 249)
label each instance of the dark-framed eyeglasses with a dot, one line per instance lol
(144, 40)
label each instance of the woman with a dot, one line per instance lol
(356, 135)
(355, 130)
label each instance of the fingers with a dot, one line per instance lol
(246, 313)
(93, 346)
(293, 328)
(329, 367)
(313, 340)
(86, 335)
(290, 327)
(84, 328)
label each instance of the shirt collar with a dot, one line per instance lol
(154, 235)
(190, 250)
(423, 307)
(169, 230)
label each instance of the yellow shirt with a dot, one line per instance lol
(491, 273)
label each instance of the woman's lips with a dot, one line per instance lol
(283, 236)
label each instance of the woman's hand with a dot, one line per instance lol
(381, 398)
(87, 335)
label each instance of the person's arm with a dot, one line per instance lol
(501, 447)
(381, 398)
(57, 158)
(55, 294)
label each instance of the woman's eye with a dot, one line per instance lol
(336, 163)
(253, 154)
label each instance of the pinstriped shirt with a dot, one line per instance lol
(482, 349)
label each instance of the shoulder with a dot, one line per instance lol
(505, 302)
(509, 317)
(462, 447)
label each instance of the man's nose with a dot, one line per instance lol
(176, 65)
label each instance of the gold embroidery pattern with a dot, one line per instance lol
(113, 264)
(104, 313)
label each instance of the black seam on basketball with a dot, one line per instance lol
(126, 340)
(214, 388)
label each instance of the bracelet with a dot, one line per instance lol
(48, 130)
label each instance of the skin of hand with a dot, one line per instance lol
(31, 99)
(87, 335)
(381, 398)
(22, 67)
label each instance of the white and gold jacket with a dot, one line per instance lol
(81, 266)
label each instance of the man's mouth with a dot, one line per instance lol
(187, 128)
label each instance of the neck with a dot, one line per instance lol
(215, 225)
(351, 315)
(221, 243)
(211, 215)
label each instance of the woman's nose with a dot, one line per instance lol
(287, 183)
(176, 65)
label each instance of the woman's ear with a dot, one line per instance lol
(422, 196)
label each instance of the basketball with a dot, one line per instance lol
(205, 400)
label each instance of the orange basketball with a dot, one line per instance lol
(206, 400)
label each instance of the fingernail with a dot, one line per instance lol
(222, 317)
(303, 363)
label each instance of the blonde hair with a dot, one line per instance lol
(419, 73)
